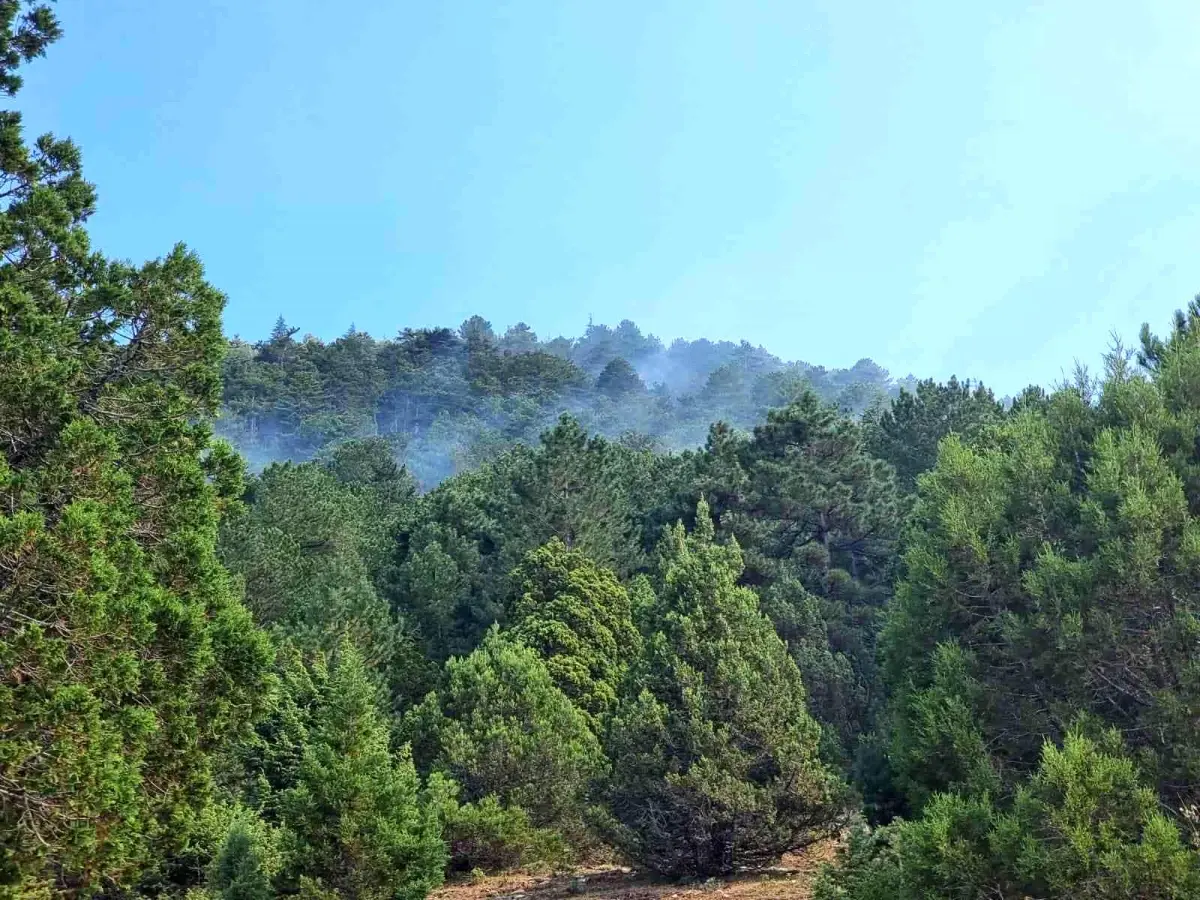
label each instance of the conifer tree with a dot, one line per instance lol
(1053, 565)
(501, 728)
(578, 617)
(126, 658)
(306, 546)
(239, 872)
(356, 823)
(906, 431)
(715, 758)
(817, 517)
(1084, 825)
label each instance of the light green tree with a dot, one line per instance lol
(578, 617)
(356, 822)
(126, 658)
(501, 728)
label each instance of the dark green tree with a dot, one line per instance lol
(306, 548)
(817, 517)
(906, 431)
(239, 872)
(619, 379)
(714, 755)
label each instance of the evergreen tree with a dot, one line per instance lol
(715, 761)
(1083, 826)
(619, 379)
(239, 872)
(356, 823)
(818, 519)
(906, 432)
(306, 548)
(1048, 572)
(577, 616)
(126, 659)
(501, 728)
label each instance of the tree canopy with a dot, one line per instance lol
(467, 599)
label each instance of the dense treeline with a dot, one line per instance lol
(448, 399)
(962, 634)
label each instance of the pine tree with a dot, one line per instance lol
(126, 659)
(618, 380)
(577, 616)
(818, 518)
(306, 546)
(356, 820)
(714, 755)
(906, 432)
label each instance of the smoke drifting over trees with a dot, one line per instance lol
(449, 398)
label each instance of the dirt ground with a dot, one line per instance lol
(792, 880)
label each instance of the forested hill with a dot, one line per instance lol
(450, 398)
(960, 636)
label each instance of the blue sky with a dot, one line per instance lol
(945, 187)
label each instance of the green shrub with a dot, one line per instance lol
(1082, 827)
(490, 837)
(500, 728)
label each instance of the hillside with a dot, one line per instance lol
(465, 611)
(449, 398)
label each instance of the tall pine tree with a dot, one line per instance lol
(125, 657)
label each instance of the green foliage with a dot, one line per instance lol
(450, 398)
(126, 659)
(937, 744)
(1056, 557)
(501, 728)
(817, 518)
(1033, 701)
(907, 431)
(618, 380)
(715, 760)
(1083, 827)
(458, 550)
(490, 837)
(240, 872)
(356, 821)
(313, 544)
(578, 617)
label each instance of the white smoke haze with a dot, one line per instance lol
(448, 400)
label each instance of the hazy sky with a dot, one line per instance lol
(940, 187)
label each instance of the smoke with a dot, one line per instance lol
(448, 401)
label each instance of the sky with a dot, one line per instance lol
(987, 190)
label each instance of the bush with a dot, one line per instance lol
(1083, 827)
(501, 729)
(491, 837)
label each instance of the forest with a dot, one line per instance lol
(348, 620)
(449, 398)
